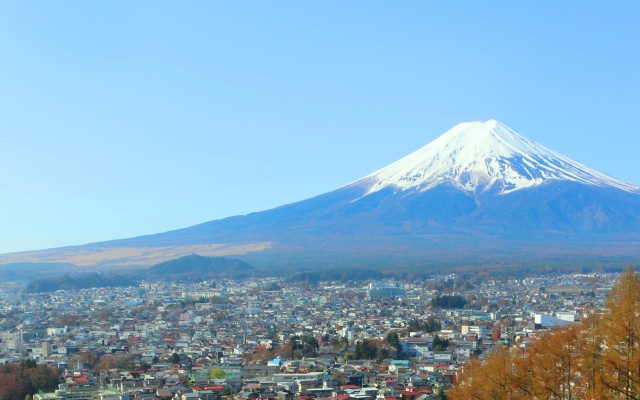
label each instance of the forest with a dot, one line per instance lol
(598, 358)
(78, 281)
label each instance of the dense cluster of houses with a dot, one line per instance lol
(211, 340)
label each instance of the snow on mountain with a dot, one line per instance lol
(477, 156)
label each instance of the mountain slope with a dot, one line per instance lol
(480, 190)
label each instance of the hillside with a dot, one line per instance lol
(197, 268)
(79, 281)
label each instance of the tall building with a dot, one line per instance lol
(47, 348)
(496, 333)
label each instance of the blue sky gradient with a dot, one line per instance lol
(121, 118)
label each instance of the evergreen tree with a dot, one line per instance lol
(393, 340)
(308, 346)
(174, 359)
(366, 349)
(440, 344)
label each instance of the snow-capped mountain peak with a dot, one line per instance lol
(476, 156)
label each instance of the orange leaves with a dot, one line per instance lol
(621, 347)
(597, 359)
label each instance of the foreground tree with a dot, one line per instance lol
(621, 327)
(596, 359)
(21, 379)
(554, 364)
(498, 378)
(589, 348)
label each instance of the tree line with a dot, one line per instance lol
(599, 358)
(449, 301)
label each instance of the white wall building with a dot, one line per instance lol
(549, 321)
(479, 330)
(416, 346)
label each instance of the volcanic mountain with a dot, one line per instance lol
(478, 191)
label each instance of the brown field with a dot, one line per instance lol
(127, 257)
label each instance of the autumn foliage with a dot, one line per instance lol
(21, 379)
(599, 358)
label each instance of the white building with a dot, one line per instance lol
(416, 346)
(549, 321)
(479, 330)
(56, 331)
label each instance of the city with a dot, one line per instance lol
(269, 338)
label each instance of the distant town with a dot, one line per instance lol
(268, 338)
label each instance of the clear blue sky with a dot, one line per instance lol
(123, 118)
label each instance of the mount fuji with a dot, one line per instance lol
(481, 191)
(476, 156)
